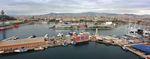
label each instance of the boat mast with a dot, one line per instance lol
(96, 33)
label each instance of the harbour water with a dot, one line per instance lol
(88, 51)
(25, 31)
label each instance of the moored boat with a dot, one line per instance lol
(8, 27)
(1, 52)
(21, 50)
(82, 37)
(39, 48)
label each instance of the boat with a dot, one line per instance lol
(73, 43)
(39, 48)
(65, 26)
(103, 26)
(8, 27)
(44, 22)
(137, 31)
(33, 36)
(1, 52)
(62, 26)
(81, 38)
(21, 50)
(124, 47)
(46, 36)
(11, 38)
(65, 43)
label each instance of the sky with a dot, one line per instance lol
(38, 7)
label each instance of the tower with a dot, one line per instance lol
(2, 12)
(3, 23)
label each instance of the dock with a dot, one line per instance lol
(10, 46)
(14, 44)
(136, 52)
(124, 44)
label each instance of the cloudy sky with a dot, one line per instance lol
(37, 7)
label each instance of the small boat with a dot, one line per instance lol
(33, 36)
(44, 22)
(21, 50)
(39, 48)
(65, 44)
(73, 43)
(1, 52)
(11, 38)
(46, 36)
(124, 48)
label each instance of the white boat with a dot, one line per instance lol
(101, 26)
(44, 22)
(33, 36)
(46, 36)
(1, 52)
(39, 48)
(62, 26)
(124, 47)
(20, 50)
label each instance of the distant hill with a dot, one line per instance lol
(81, 14)
(90, 14)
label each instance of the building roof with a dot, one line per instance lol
(143, 48)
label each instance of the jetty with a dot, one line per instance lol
(20, 44)
(14, 44)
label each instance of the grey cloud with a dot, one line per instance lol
(47, 6)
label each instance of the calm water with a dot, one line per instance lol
(88, 51)
(42, 29)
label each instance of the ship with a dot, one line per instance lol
(137, 31)
(8, 27)
(103, 26)
(21, 50)
(82, 37)
(65, 26)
